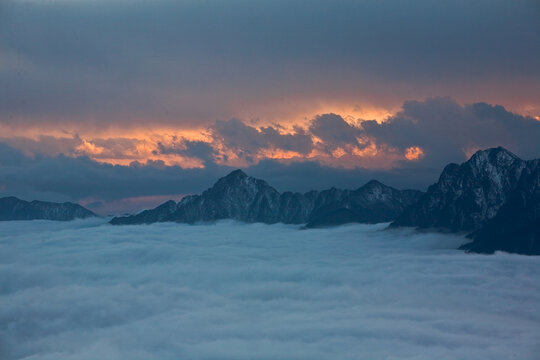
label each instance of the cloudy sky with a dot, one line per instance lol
(122, 104)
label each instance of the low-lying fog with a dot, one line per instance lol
(88, 290)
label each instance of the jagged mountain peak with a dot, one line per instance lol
(374, 190)
(237, 174)
(10, 198)
(467, 195)
(238, 180)
(496, 156)
(496, 166)
(373, 184)
(492, 164)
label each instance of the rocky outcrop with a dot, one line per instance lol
(495, 196)
(12, 208)
(240, 197)
(235, 196)
(516, 227)
(467, 195)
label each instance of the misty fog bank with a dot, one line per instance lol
(88, 290)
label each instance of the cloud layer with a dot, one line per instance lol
(233, 291)
(437, 129)
(116, 63)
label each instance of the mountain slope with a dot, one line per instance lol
(467, 195)
(12, 208)
(516, 227)
(494, 195)
(372, 203)
(147, 216)
(235, 196)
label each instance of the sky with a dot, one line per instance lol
(120, 105)
(259, 292)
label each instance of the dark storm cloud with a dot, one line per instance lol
(62, 177)
(191, 148)
(334, 131)
(109, 148)
(236, 135)
(42, 145)
(447, 131)
(11, 157)
(189, 61)
(307, 175)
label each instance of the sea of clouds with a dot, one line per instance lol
(89, 290)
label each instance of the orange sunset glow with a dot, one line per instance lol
(141, 145)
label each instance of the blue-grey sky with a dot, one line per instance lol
(192, 89)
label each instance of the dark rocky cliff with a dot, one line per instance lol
(516, 227)
(494, 195)
(467, 195)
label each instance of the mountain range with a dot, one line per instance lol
(494, 198)
(12, 208)
(244, 198)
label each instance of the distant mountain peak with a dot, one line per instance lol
(12, 208)
(236, 174)
(498, 150)
(236, 178)
(373, 184)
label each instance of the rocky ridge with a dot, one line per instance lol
(12, 208)
(516, 226)
(494, 196)
(467, 195)
(244, 198)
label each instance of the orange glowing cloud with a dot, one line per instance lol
(141, 146)
(340, 138)
(414, 153)
(273, 153)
